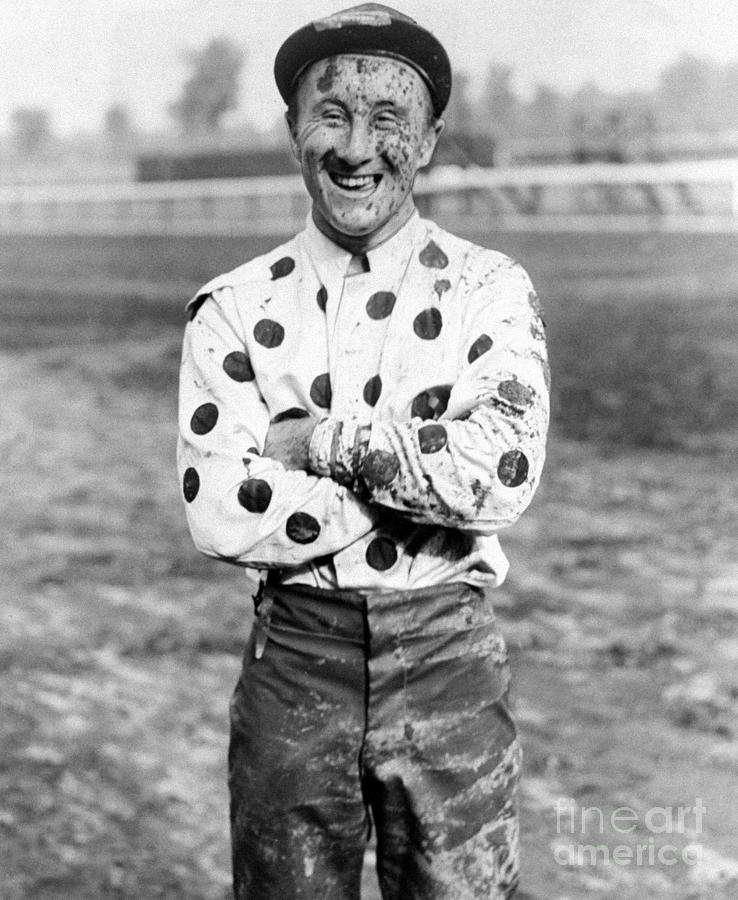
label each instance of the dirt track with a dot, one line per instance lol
(119, 645)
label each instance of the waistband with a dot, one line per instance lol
(358, 616)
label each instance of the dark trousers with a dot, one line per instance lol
(383, 708)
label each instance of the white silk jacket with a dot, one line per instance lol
(428, 373)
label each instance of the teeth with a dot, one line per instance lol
(353, 182)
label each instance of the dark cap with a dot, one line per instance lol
(371, 29)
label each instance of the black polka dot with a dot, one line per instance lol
(237, 366)
(441, 286)
(515, 392)
(322, 297)
(255, 495)
(431, 404)
(320, 391)
(294, 412)
(190, 484)
(372, 390)
(433, 257)
(268, 333)
(480, 346)
(380, 305)
(512, 469)
(427, 324)
(379, 468)
(302, 528)
(204, 418)
(282, 267)
(381, 554)
(254, 451)
(431, 438)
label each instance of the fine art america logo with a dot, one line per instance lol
(650, 847)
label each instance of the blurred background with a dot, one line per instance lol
(142, 151)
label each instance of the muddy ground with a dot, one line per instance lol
(119, 645)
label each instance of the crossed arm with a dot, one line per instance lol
(243, 505)
(286, 493)
(288, 442)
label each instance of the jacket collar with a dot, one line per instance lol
(329, 256)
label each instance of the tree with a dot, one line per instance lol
(547, 113)
(118, 124)
(31, 129)
(459, 114)
(686, 92)
(499, 103)
(725, 107)
(212, 88)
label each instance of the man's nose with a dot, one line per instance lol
(356, 148)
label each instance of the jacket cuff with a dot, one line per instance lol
(337, 449)
(319, 451)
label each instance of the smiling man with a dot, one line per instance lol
(362, 410)
(361, 127)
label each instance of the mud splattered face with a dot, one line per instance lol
(361, 129)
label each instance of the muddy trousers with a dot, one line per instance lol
(383, 709)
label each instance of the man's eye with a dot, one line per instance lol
(386, 120)
(332, 117)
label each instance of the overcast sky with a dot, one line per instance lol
(77, 57)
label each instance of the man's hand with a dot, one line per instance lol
(288, 442)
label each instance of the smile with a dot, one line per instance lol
(356, 183)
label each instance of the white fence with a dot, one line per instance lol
(685, 196)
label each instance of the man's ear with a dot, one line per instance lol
(430, 140)
(292, 133)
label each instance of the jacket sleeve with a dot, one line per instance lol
(241, 506)
(476, 465)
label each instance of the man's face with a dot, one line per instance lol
(362, 130)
